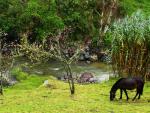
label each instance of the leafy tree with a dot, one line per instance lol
(90, 18)
(34, 18)
(37, 19)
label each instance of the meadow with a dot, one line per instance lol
(30, 96)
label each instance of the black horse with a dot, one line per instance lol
(127, 84)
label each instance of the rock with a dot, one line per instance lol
(38, 72)
(4, 82)
(81, 58)
(63, 78)
(56, 69)
(11, 83)
(86, 56)
(49, 84)
(92, 80)
(102, 78)
(93, 57)
(85, 77)
(88, 62)
(46, 83)
(8, 82)
(7, 79)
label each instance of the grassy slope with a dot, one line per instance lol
(30, 97)
(131, 6)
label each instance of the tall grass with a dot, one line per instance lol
(131, 45)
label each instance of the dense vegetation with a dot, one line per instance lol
(37, 19)
(130, 39)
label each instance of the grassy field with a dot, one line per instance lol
(29, 96)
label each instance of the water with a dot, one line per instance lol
(100, 70)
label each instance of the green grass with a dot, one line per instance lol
(130, 6)
(30, 96)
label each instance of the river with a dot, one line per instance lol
(54, 68)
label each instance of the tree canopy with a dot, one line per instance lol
(37, 19)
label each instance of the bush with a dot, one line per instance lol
(19, 74)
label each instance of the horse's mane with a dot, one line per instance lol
(114, 87)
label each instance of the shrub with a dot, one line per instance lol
(19, 74)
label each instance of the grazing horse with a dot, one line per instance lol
(127, 84)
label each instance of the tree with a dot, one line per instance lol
(58, 47)
(37, 19)
(91, 18)
(34, 18)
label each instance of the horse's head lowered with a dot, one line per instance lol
(112, 95)
(127, 84)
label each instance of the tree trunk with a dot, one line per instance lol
(70, 78)
(1, 85)
(71, 81)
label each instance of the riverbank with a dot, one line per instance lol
(29, 96)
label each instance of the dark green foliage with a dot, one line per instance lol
(34, 18)
(82, 15)
(39, 18)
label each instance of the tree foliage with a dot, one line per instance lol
(89, 17)
(35, 18)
